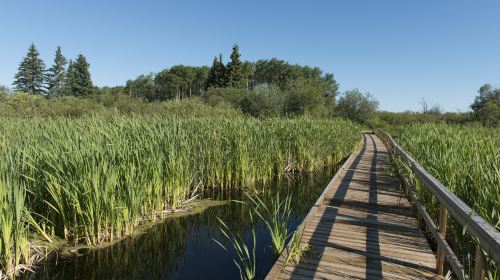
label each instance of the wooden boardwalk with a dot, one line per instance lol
(362, 227)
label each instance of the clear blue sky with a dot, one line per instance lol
(400, 51)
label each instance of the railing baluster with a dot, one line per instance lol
(478, 265)
(443, 224)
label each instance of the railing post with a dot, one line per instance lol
(443, 224)
(478, 265)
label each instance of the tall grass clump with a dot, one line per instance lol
(94, 179)
(14, 245)
(275, 217)
(466, 160)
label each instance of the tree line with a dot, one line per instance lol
(181, 81)
(267, 87)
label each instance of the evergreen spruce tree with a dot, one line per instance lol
(56, 74)
(216, 75)
(30, 75)
(211, 80)
(234, 76)
(78, 81)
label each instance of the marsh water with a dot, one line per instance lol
(183, 248)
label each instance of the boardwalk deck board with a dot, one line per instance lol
(363, 228)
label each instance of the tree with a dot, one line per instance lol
(56, 74)
(305, 98)
(430, 108)
(185, 75)
(30, 75)
(167, 86)
(234, 74)
(486, 106)
(4, 91)
(200, 80)
(216, 75)
(330, 87)
(78, 80)
(143, 86)
(248, 71)
(274, 71)
(356, 106)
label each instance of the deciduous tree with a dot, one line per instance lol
(356, 106)
(486, 105)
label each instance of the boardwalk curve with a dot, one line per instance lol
(362, 227)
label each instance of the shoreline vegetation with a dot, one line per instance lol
(64, 248)
(91, 180)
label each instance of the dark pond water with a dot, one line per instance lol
(182, 248)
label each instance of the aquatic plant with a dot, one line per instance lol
(246, 256)
(14, 246)
(276, 218)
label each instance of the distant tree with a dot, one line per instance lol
(216, 75)
(186, 76)
(200, 80)
(276, 72)
(486, 106)
(330, 87)
(78, 80)
(356, 106)
(167, 86)
(285, 76)
(4, 90)
(305, 98)
(234, 73)
(248, 72)
(143, 87)
(430, 108)
(30, 75)
(56, 74)
(107, 90)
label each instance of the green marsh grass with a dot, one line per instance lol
(466, 160)
(94, 179)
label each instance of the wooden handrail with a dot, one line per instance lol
(488, 236)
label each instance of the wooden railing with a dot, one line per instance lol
(450, 204)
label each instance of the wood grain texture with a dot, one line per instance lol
(363, 228)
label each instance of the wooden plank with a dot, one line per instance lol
(278, 266)
(362, 228)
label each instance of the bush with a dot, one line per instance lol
(305, 98)
(356, 106)
(233, 96)
(264, 101)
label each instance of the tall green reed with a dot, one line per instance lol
(466, 160)
(94, 179)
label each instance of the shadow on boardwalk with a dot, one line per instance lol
(363, 229)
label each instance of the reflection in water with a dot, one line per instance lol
(181, 248)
